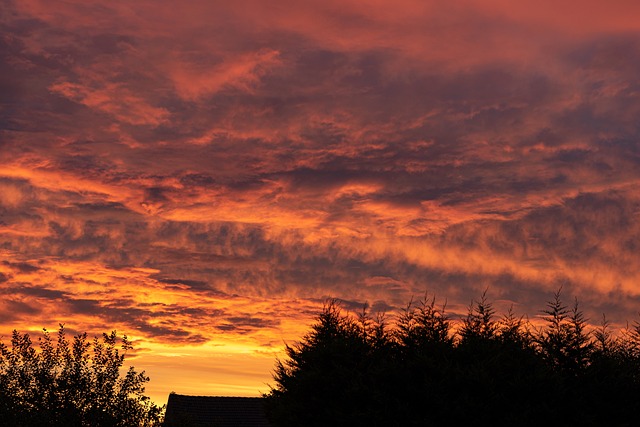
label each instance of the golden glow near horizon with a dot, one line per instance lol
(203, 179)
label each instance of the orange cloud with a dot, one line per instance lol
(203, 177)
(116, 101)
(242, 72)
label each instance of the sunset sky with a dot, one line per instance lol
(202, 175)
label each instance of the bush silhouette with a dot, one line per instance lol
(75, 383)
(425, 369)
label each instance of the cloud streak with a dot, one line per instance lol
(203, 178)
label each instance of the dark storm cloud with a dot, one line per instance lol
(194, 284)
(35, 292)
(579, 228)
(14, 310)
(23, 267)
(247, 322)
(172, 324)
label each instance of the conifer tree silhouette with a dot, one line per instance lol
(421, 370)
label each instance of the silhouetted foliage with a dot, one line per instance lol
(72, 383)
(425, 369)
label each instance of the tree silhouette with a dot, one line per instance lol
(425, 369)
(324, 372)
(564, 342)
(423, 363)
(479, 324)
(75, 383)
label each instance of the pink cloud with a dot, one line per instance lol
(117, 101)
(242, 72)
(158, 160)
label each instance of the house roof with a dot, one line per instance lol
(215, 411)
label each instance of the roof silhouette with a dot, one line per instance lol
(215, 411)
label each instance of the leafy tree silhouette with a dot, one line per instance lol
(74, 383)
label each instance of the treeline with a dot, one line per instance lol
(424, 369)
(72, 383)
